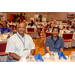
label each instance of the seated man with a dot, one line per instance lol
(54, 43)
(5, 28)
(19, 43)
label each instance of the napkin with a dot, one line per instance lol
(71, 32)
(61, 54)
(48, 30)
(38, 57)
(8, 36)
(40, 26)
(9, 61)
(64, 31)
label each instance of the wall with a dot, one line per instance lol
(51, 15)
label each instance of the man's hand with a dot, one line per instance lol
(47, 48)
(61, 50)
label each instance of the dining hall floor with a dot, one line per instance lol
(39, 48)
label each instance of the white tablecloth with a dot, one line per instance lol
(56, 57)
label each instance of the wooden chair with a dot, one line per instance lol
(68, 38)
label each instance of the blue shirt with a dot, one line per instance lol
(54, 45)
(7, 29)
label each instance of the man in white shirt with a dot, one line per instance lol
(20, 44)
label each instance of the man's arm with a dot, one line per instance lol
(61, 49)
(32, 46)
(62, 45)
(47, 46)
(32, 53)
(14, 56)
(48, 50)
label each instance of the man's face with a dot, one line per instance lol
(4, 24)
(55, 32)
(21, 29)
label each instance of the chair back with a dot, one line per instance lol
(30, 29)
(39, 29)
(2, 47)
(67, 36)
(48, 34)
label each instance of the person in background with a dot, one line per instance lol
(18, 43)
(54, 22)
(32, 23)
(73, 23)
(68, 22)
(1, 25)
(61, 26)
(39, 22)
(24, 21)
(5, 28)
(48, 29)
(54, 43)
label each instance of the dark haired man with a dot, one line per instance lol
(54, 43)
(5, 28)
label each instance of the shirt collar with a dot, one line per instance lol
(53, 39)
(20, 35)
(5, 28)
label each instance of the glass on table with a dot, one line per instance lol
(52, 55)
(31, 58)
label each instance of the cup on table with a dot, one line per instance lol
(47, 55)
(23, 59)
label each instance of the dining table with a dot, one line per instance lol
(46, 59)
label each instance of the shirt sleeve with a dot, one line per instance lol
(47, 42)
(32, 45)
(9, 30)
(10, 46)
(62, 43)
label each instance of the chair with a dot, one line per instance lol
(39, 29)
(30, 31)
(2, 49)
(68, 38)
(45, 51)
(48, 34)
(43, 36)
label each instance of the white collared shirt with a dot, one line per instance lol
(15, 45)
